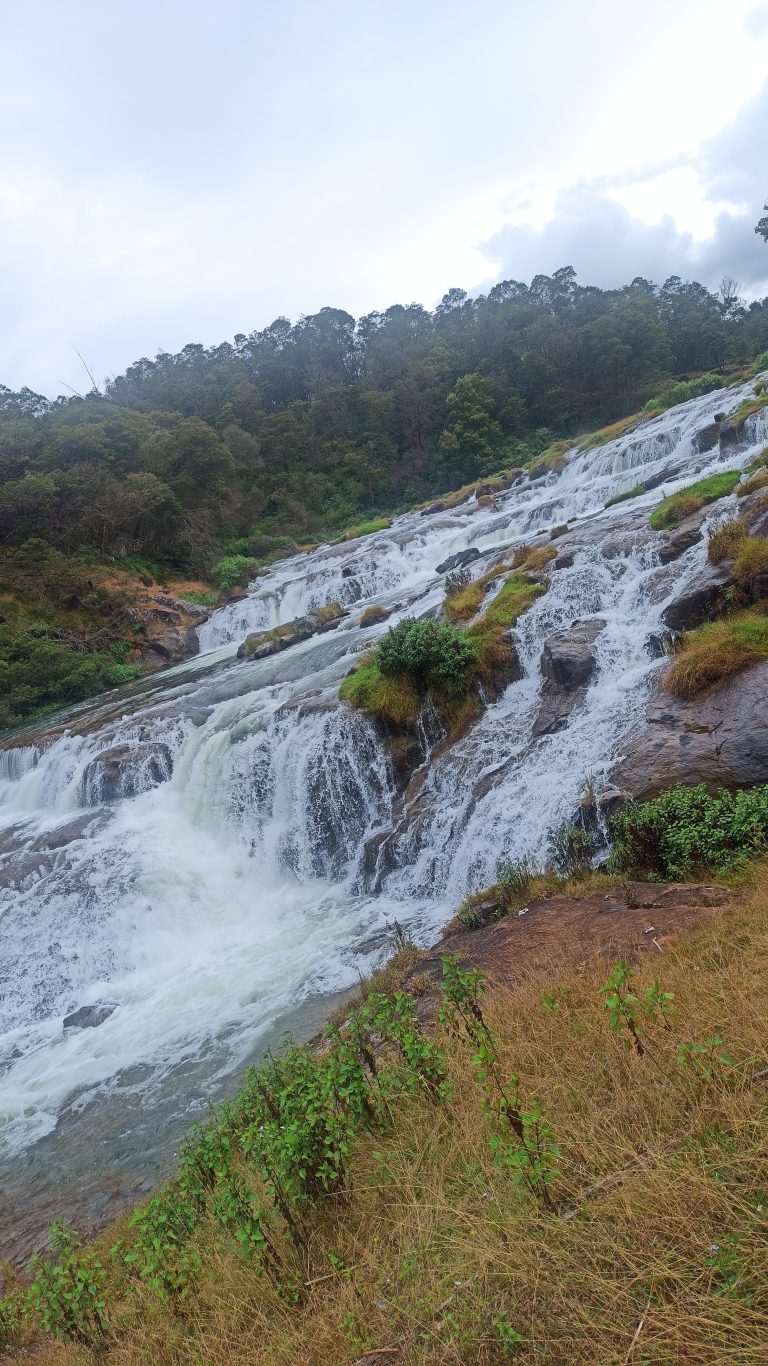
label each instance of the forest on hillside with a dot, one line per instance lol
(239, 452)
(296, 430)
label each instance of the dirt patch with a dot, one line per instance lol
(633, 920)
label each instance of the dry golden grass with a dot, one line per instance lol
(656, 1251)
(713, 653)
(753, 484)
(724, 543)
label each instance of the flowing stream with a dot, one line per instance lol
(208, 855)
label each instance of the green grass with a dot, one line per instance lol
(200, 597)
(674, 509)
(391, 699)
(623, 497)
(683, 391)
(368, 528)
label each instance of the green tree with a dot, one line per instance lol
(471, 443)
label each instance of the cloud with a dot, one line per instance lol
(607, 242)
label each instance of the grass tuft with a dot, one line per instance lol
(713, 653)
(671, 511)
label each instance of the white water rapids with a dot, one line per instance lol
(232, 872)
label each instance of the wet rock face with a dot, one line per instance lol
(261, 644)
(432, 509)
(703, 599)
(673, 544)
(721, 740)
(88, 1017)
(458, 560)
(125, 771)
(707, 437)
(567, 665)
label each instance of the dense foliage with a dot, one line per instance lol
(687, 829)
(297, 429)
(431, 653)
(209, 461)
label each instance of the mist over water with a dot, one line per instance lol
(253, 852)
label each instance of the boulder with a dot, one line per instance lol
(673, 544)
(701, 600)
(192, 609)
(567, 664)
(720, 740)
(124, 771)
(88, 1017)
(261, 644)
(432, 509)
(706, 438)
(458, 560)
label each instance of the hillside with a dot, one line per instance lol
(200, 466)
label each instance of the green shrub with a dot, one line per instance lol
(683, 391)
(687, 830)
(760, 363)
(68, 1293)
(674, 509)
(118, 674)
(234, 571)
(570, 849)
(431, 653)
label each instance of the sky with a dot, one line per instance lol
(175, 171)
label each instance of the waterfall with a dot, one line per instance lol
(208, 852)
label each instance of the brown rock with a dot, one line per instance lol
(701, 601)
(720, 740)
(567, 664)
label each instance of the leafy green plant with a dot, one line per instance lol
(508, 1337)
(67, 1293)
(729, 1269)
(431, 653)
(159, 1251)
(570, 847)
(394, 1017)
(118, 674)
(12, 1313)
(234, 571)
(521, 1140)
(688, 828)
(514, 877)
(623, 1006)
(708, 1059)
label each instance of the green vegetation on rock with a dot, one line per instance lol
(674, 509)
(623, 497)
(683, 391)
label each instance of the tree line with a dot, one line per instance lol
(290, 433)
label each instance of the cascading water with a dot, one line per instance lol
(204, 853)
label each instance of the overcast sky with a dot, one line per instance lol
(176, 171)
